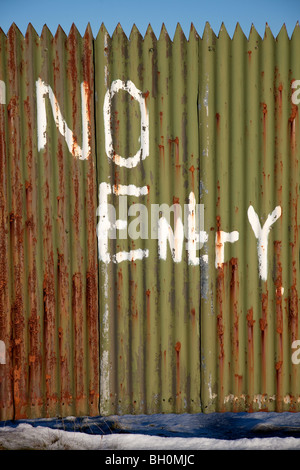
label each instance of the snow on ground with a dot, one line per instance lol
(226, 431)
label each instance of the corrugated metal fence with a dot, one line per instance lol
(149, 222)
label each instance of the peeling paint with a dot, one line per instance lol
(262, 233)
(2, 92)
(2, 353)
(221, 239)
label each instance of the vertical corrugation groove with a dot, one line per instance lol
(91, 281)
(6, 381)
(280, 247)
(162, 184)
(253, 114)
(47, 234)
(236, 191)
(192, 281)
(64, 248)
(207, 85)
(15, 50)
(137, 282)
(166, 286)
(151, 328)
(34, 304)
(102, 51)
(294, 131)
(222, 209)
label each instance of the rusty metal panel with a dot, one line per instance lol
(249, 133)
(222, 127)
(149, 222)
(147, 136)
(49, 306)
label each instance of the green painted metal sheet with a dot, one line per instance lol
(149, 222)
(149, 335)
(249, 129)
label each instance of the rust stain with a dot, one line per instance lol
(278, 124)
(79, 352)
(193, 316)
(117, 178)
(162, 151)
(49, 298)
(72, 47)
(63, 334)
(91, 203)
(6, 379)
(13, 110)
(63, 286)
(218, 198)
(192, 169)
(250, 323)
(92, 323)
(239, 388)
(119, 285)
(278, 294)
(145, 96)
(294, 112)
(116, 122)
(263, 324)
(278, 368)
(265, 113)
(292, 123)
(49, 337)
(133, 297)
(19, 361)
(219, 243)
(148, 310)
(88, 73)
(19, 369)
(178, 388)
(220, 324)
(35, 356)
(177, 165)
(293, 310)
(279, 322)
(264, 108)
(293, 300)
(220, 294)
(12, 66)
(165, 359)
(218, 117)
(234, 297)
(263, 321)
(280, 88)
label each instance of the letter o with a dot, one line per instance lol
(143, 152)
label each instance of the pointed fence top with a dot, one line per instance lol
(253, 33)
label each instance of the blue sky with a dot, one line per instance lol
(155, 12)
